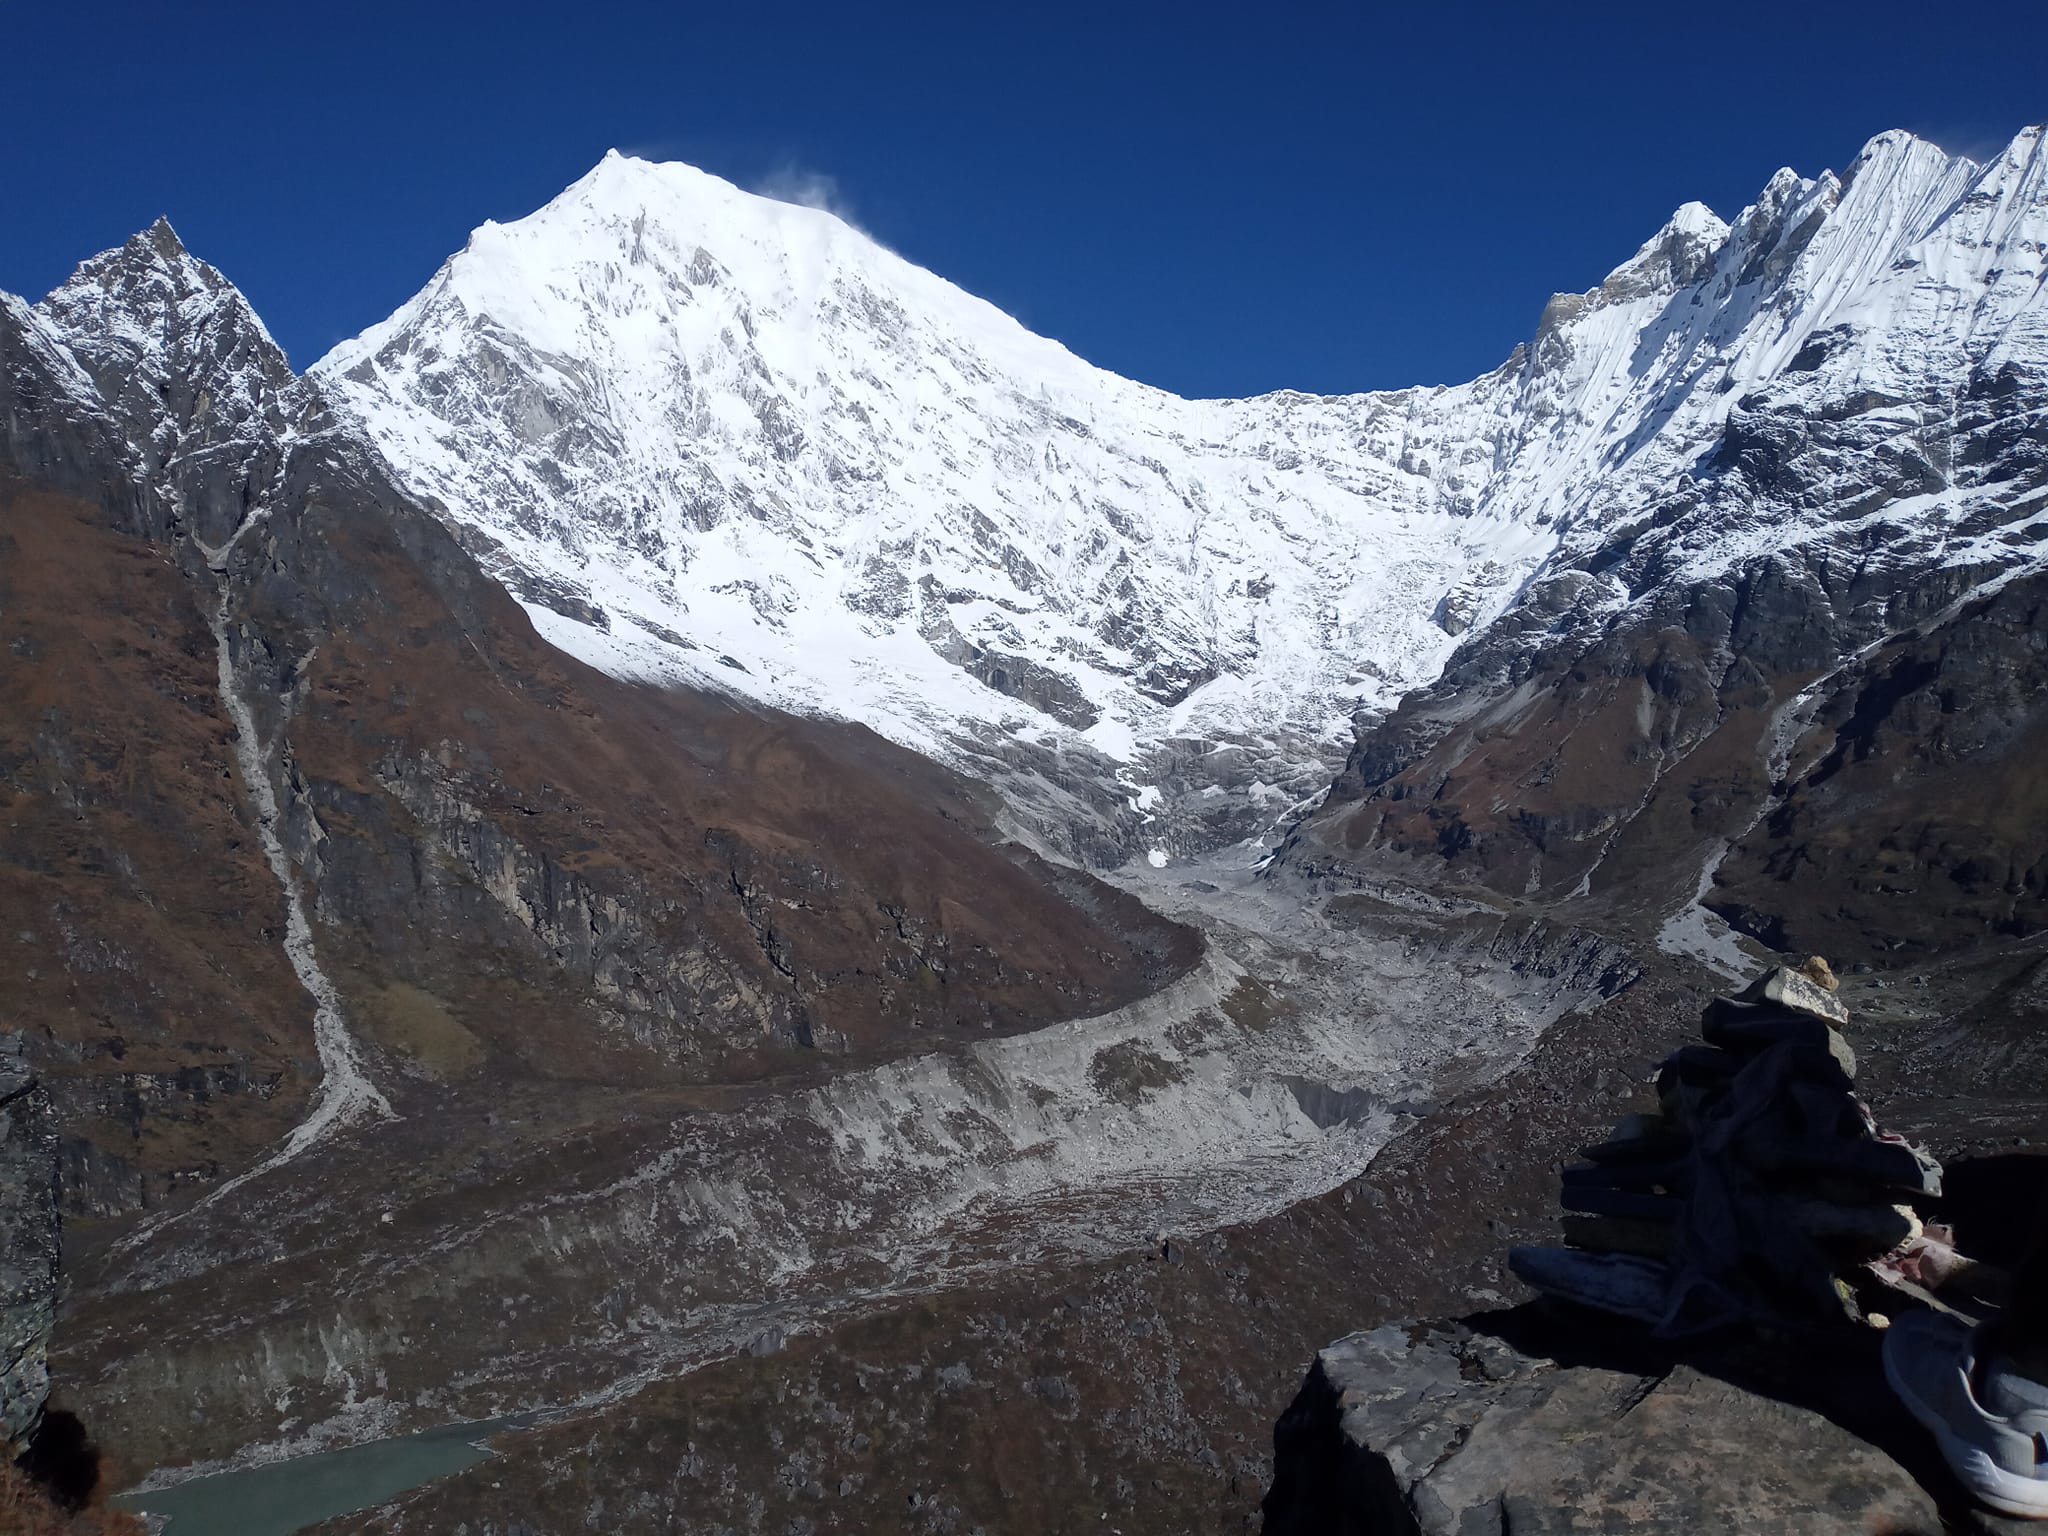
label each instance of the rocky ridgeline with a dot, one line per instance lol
(28, 1244)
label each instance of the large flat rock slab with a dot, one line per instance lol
(1433, 1429)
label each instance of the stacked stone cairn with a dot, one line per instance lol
(1760, 1192)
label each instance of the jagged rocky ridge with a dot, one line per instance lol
(708, 435)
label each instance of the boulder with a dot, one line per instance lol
(1799, 991)
(1478, 1429)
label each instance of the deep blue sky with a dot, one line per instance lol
(1217, 198)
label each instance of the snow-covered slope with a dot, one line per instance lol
(709, 436)
(1847, 296)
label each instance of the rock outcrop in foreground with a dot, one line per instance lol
(1530, 1422)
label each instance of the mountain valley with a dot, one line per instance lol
(701, 836)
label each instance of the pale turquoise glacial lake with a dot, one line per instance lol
(287, 1496)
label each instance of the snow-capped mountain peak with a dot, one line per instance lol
(713, 437)
(709, 435)
(141, 314)
(159, 345)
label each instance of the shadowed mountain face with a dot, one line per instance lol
(1830, 759)
(1887, 800)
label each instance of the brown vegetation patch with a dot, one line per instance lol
(1127, 1073)
(1254, 1006)
(416, 1027)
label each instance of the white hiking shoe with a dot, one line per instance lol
(1932, 1362)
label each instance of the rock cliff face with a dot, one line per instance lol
(28, 1257)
